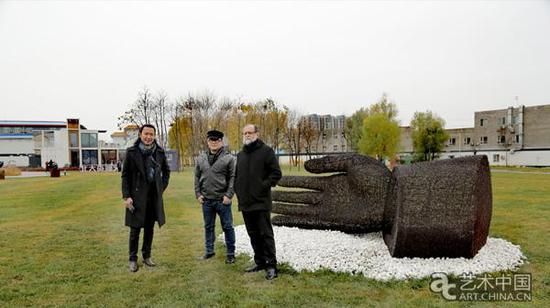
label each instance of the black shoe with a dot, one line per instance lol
(208, 256)
(133, 266)
(270, 273)
(230, 260)
(255, 268)
(149, 262)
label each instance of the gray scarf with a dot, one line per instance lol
(151, 165)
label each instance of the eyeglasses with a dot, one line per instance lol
(214, 139)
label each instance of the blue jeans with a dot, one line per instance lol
(209, 210)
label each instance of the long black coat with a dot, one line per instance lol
(257, 171)
(134, 185)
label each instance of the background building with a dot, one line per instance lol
(329, 133)
(69, 144)
(124, 139)
(513, 136)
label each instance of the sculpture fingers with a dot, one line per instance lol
(299, 222)
(294, 209)
(307, 182)
(305, 222)
(306, 197)
(329, 163)
(339, 163)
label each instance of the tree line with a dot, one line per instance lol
(182, 124)
(375, 131)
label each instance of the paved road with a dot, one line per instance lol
(28, 174)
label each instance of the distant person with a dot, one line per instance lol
(214, 179)
(257, 171)
(49, 165)
(145, 176)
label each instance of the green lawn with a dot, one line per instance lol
(63, 242)
(522, 169)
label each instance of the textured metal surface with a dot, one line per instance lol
(432, 209)
(352, 200)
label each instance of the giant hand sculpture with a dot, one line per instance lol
(432, 209)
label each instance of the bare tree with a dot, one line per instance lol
(140, 111)
(221, 113)
(192, 116)
(159, 110)
(310, 135)
(274, 122)
(174, 135)
(293, 136)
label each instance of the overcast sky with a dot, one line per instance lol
(89, 59)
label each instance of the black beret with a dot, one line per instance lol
(214, 134)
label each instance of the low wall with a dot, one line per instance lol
(19, 161)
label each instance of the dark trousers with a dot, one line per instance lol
(147, 242)
(209, 210)
(148, 231)
(260, 231)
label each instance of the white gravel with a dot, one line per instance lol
(367, 254)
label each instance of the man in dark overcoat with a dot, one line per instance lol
(145, 176)
(256, 172)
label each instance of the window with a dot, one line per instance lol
(89, 157)
(343, 148)
(483, 140)
(503, 120)
(496, 158)
(517, 138)
(335, 148)
(89, 140)
(481, 122)
(501, 139)
(73, 139)
(108, 156)
(467, 140)
(452, 141)
(75, 159)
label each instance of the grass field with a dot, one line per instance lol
(522, 169)
(63, 243)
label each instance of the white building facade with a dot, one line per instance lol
(67, 143)
(515, 136)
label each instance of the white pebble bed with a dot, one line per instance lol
(367, 254)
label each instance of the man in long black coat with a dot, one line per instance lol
(145, 176)
(256, 172)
